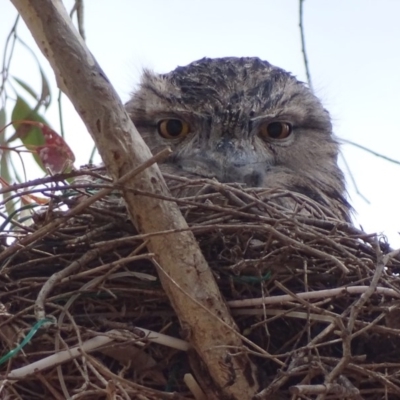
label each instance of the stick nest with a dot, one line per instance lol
(316, 299)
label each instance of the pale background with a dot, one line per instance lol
(353, 48)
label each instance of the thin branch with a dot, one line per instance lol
(353, 181)
(56, 223)
(78, 9)
(11, 39)
(303, 45)
(392, 160)
(318, 294)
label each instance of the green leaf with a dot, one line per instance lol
(28, 134)
(26, 87)
(2, 119)
(5, 173)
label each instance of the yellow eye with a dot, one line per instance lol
(173, 128)
(275, 130)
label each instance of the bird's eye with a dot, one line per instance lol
(275, 130)
(173, 128)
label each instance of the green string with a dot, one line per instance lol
(10, 217)
(27, 338)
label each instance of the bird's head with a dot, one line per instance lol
(240, 120)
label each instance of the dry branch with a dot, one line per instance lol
(311, 327)
(204, 316)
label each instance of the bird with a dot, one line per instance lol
(242, 120)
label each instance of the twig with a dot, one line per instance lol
(93, 344)
(303, 45)
(318, 294)
(52, 226)
(7, 62)
(392, 160)
(65, 272)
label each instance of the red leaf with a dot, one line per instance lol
(55, 154)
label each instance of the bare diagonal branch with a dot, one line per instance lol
(209, 327)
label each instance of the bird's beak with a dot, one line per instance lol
(228, 162)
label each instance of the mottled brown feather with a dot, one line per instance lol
(225, 101)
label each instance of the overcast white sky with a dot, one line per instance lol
(354, 55)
